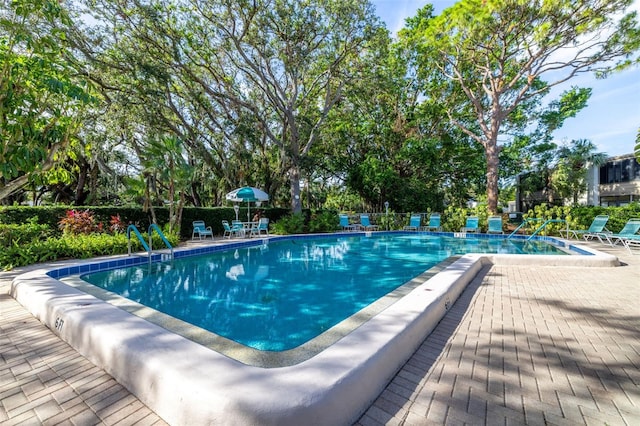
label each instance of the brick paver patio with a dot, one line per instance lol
(522, 345)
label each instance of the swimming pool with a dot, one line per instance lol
(188, 383)
(275, 297)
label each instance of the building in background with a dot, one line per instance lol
(616, 183)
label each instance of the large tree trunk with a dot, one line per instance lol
(491, 151)
(294, 179)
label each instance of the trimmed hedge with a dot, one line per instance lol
(213, 216)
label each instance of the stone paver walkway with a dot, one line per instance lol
(527, 346)
(522, 345)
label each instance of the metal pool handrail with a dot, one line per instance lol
(147, 247)
(540, 228)
(155, 227)
(139, 235)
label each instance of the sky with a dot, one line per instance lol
(610, 120)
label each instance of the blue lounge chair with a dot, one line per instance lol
(471, 225)
(201, 230)
(366, 224)
(495, 225)
(414, 223)
(434, 223)
(344, 223)
(630, 231)
(597, 226)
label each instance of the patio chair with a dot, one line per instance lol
(414, 223)
(471, 225)
(597, 226)
(495, 225)
(201, 230)
(238, 228)
(434, 223)
(263, 226)
(366, 224)
(344, 223)
(228, 232)
(630, 231)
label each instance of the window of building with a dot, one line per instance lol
(620, 171)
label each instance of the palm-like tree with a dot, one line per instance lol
(569, 177)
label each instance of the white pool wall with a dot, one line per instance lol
(186, 383)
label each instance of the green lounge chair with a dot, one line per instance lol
(632, 241)
(597, 227)
(630, 231)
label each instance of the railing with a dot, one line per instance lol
(147, 247)
(139, 235)
(166, 242)
(540, 228)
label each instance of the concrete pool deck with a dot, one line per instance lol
(501, 352)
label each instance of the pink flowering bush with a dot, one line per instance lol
(79, 222)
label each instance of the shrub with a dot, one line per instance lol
(292, 224)
(324, 221)
(79, 222)
(23, 233)
(117, 225)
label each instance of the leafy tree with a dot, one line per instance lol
(40, 94)
(484, 60)
(569, 177)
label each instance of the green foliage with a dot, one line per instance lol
(30, 247)
(68, 246)
(483, 61)
(41, 94)
(454, 218)
(544, 213)
(580, 217)
(323, 221)
(291, 224)
(11, 234)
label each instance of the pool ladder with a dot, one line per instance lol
(540, 228)
(149, 247)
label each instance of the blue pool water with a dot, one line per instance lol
(278, 296)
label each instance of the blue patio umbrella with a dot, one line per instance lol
(248, 194)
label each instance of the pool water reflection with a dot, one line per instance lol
(278, 296)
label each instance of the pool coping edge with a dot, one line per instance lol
(334, 387)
